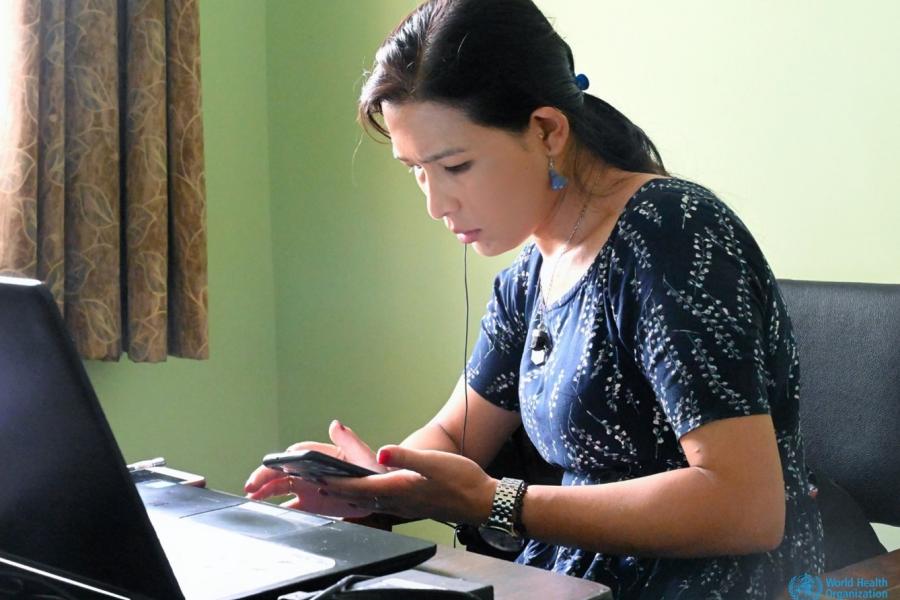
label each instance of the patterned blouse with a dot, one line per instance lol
(677, 322)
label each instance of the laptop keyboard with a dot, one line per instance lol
(207, 566)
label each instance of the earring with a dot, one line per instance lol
(557, 180)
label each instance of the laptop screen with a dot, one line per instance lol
(66, 502)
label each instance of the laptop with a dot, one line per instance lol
(70, 509)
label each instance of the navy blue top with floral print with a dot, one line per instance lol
(677, 322)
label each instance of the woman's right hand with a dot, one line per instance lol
(265, 482)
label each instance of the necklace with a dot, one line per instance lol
(540, 339)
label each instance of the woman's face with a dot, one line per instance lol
(489, 187)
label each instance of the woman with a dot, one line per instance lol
(639, 337)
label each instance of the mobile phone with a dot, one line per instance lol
(310, 464)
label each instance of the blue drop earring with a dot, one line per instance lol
(557, 180)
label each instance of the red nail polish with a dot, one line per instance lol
(383, 457)
(322, 492)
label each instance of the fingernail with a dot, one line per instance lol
(341, 426)
(383, 457)
(322, 492)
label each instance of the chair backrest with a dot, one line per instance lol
(848, 337)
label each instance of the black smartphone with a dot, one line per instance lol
(310, 464)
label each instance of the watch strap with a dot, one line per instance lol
(507, 506)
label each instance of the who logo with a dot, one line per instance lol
(805, 587)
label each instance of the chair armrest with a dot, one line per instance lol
(886, 566)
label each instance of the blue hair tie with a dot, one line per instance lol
(582, 81)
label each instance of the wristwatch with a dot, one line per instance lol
(503, 529)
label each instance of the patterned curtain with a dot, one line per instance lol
(102, 188)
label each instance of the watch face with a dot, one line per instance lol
(500, 539)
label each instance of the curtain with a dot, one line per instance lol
(102, 187)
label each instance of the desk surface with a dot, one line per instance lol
(512, 581)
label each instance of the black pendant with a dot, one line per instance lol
(540, 344)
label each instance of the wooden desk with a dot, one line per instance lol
(512, 581)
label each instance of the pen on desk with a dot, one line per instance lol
(159, 461)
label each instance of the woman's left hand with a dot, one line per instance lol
(422, 484)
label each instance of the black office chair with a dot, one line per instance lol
(848, 338)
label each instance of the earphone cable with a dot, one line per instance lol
(462, 446)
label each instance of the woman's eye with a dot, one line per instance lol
(460, 168)
(414, 169)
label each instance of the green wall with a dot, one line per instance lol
(788, 112)
(787, 109)
(369, 297)
(218, 417)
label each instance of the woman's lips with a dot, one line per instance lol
(467, 237)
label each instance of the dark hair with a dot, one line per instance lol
(497, 61)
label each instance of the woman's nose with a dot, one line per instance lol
(439, 203)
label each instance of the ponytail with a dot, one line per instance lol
(610, 135)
